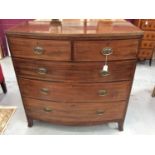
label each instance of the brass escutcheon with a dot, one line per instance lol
(103, 92)
(47, 109)
(107, 51)
(100, 112)
(38, 50)
(44, 91)
(104, 73)
(42, 70)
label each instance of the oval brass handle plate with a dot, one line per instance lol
(107, 51)
(47, 109)
(44, 91)
(104, 73)
(38, 50)
(100, 112)
(42, 70)
(103, 92)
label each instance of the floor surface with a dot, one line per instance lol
(140, 117)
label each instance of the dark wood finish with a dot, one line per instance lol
(120, 125)
(74, 92)
(51, 49)
(82, 72)
(74, 113)
(91, 50)
(4, 88)
(63, 84)
(147, 45)
(30, 122)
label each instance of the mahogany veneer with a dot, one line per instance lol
(58, 68)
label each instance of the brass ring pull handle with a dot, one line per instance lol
(107, 51)
(42, 70)
(38, 50)
(104, 73)
(44, 91)
(100, 112)
(103, 92)
(47, 109)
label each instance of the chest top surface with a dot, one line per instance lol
(77, 28)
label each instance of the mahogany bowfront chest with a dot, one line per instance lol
(75, 72)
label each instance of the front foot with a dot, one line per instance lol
(30, 122)
(120, 125)
(153, 93)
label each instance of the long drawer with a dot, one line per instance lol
(82, 72)
(73, 113)
(75, 92)
(94, 50)
(40, 49)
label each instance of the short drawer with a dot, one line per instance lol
(145, 54)
(40, 49)
(67, 71)
(149, 35)
(147, 44)
(148, 25)
(74, 113)
(74, 92)
(94, 50)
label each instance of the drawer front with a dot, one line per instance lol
(148, 25)
(82, 72)
(40, 49)
(75, 92)
(73, 113)
(93, 50)
(147, 44)
(149, 35)
(145, 54)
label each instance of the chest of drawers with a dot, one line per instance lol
(59, 69)
(147, 45)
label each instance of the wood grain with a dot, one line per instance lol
(77, 29)
(74, 113)
(91, 50)
(52, 50)
(71, 71)
(74, 92)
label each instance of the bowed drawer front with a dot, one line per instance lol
(75, 92)
(40, 49)
(93, 50)
(74, 113)
(61, 75)
(82, 72)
